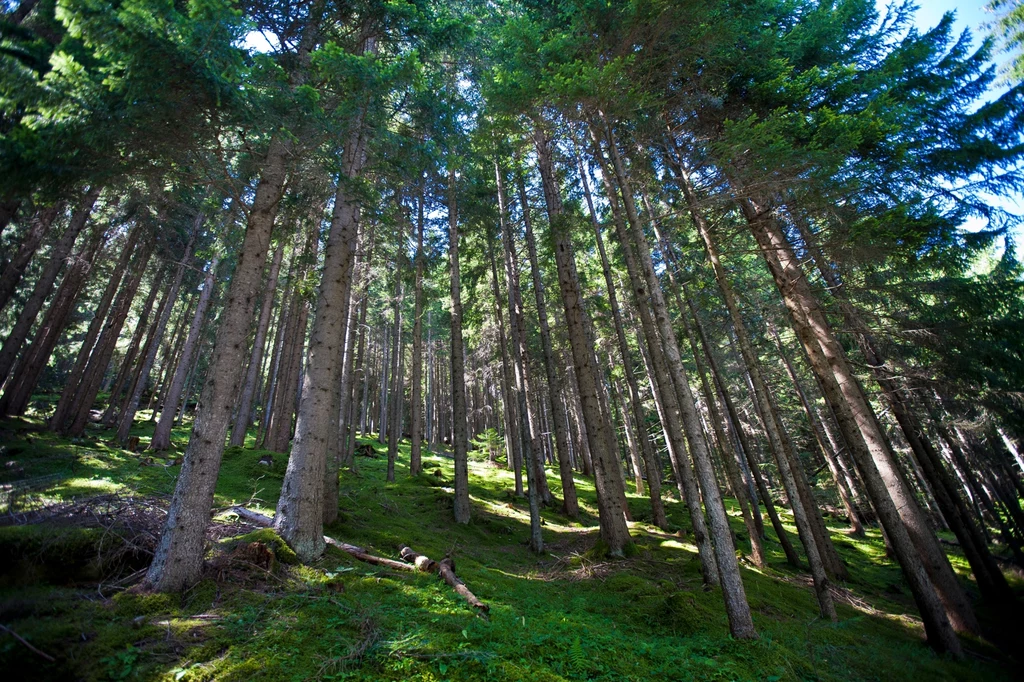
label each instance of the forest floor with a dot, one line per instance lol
(569, 614)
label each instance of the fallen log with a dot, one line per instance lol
(422, 562)
(447, 571)
(253, 517)
(358, 553)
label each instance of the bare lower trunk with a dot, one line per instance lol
(44, 285)
(600, 436)
(127, 417)
(395, 431)
(740, 622)
(459, 436)
(25, 376)
(416, 406)
(570, 504)
(666, 397)
(39, 226)
(859, 427)
(856, 527)
(99, 360)
(64, 405)
(528, 429)
(178, 560)
(301, 507)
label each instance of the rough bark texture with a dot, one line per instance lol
(460, 437)
(600, 437)
(740, 622)
(44, 285)
(99, 360)
(300, 509)
(859, 427)
(570, 504)
(416, 405)
(127, 417)
(666, 396)
(651, 463)
(178, 560)
(25, 376)
(39, 226)
(96, 325)
(528, 428)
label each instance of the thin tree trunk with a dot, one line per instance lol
(740, 622)
(162, 433)
(44, 285)
(667, 398)
(39, 226)
(135, 395)
(416, 407)
(651, 463)
(458, 360)
(395, 431)
(18, 391)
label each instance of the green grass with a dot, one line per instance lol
(567, 615)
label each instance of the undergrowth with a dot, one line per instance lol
(570, 614)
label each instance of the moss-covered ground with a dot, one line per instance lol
(569, 614)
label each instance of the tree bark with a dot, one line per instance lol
(416, 407)
(18, 392)
(600, 436)
(570, 503)
(127, 417)
(528, 429)
(244, 417)
(888, 495)
(666, 397)
(301, 507)
(458, 360)
(740, 622)
(178, 560)
(162, 433)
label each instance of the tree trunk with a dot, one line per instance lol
(666, 397)
(740, 622)
(395, 430)
(244, 417)
(856, 527)
(162, 433)
(25, 376)
(135, 395)
(99, 360)
(651, 463)
(96, 325)
(178, 560)
(416, 406)
(459, 436)
(39, 226)
(44, 285)
(600, 436)
(897, 511)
